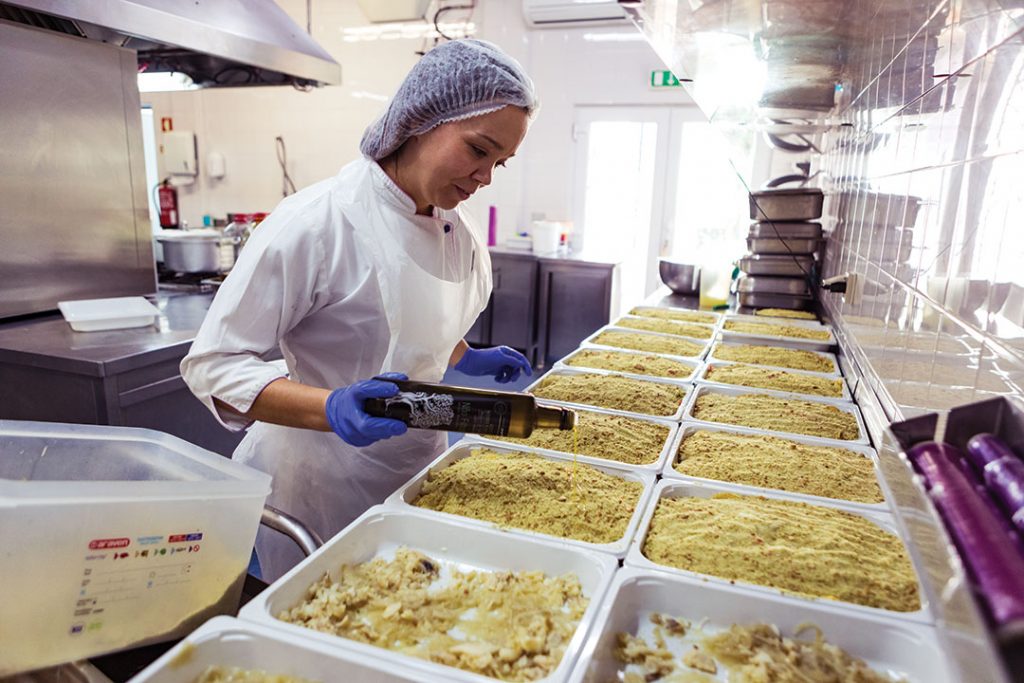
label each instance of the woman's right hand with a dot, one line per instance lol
(348, 420)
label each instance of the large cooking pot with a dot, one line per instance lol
(196, 251)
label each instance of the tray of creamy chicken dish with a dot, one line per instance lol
(665, 326)
(777, 414)
(774, 357)
(602, 435)
(539, 495)
(632, 363)
(801, 467)
(794, 334)
(774, 380)
(657, 627)
(852, 559)
(612, 391)
(226, 650)
(685, 315)
(450, 600)
(611, 337)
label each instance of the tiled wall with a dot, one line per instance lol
(923, 176)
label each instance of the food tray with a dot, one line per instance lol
(403, 497)
(94, 315)
(737, 391)
(846, 396)
(776, 265)
(798, 204)
(783, 245)
(589, 342)
(835, 361)
(760, 300)
(673, 488)
(750, 318)
(772, 340)
(784, 286)
(710, 328)
(785, 229)
(455, 545)
(889, 645)
(717, 316)
(654, 380)
(228, 642)
(688, 428)
(563, 364)
(654, 467)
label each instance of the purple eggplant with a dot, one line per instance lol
(985, 448)
(1004, 478)
(995, 564)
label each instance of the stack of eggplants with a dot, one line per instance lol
(978, 527)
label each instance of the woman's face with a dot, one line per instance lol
(446, 165)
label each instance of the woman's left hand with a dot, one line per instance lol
(504, 362)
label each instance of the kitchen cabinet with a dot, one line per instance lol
(125, 378)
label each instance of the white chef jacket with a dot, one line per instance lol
(349, 282)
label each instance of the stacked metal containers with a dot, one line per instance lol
(782, 247)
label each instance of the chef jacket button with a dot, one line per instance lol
(447, 228)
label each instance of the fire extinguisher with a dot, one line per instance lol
(167, 201)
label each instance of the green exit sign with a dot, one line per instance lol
(665, 79)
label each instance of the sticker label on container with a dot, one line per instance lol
(108, 543)
(184, 538)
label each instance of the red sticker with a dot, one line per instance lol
(106, 543)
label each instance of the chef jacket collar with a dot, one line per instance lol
(396, 196)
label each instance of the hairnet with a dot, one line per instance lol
(456, 80)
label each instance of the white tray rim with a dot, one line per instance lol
(846, 396)
(590, 343)
(695, 365)
(830, 356)
(717, 315)
(677, 415)
(712, 328)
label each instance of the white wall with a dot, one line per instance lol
(322, 128)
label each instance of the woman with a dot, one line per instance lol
(373, 271)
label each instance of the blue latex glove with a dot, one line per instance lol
(503, 362)
(347, 418)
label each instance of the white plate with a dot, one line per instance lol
(403, 498)
(653, 380)
(669, 488)
(93, 315)
(887, 645)
(774, 340)
(654, 466)
(228, 642)
(688, 428)
(590, 343)
(380, 531)
(835, 362)
(740, 391)
(694, 365)
(844, 397)
(710, 328)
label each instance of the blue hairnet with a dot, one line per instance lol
(456, 80)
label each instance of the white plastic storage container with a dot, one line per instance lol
(115, 537)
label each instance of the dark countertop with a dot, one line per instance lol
(48, 341)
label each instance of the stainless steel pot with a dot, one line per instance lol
(681, 278)
(776, 265)
(765, 245)
(196, 251)
(786, 205)
(785, 229)
(791, 286)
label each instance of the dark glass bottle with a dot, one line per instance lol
(423, 405)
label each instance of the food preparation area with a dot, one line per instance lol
(792, 415)
(648, 342)
(805, 549)
(614, 392)
(693, 330)
(515, 626)
(780, 380)
(525, 491)
(775, 463)
(600, 435)
(776, 330)
(776, 356)
(635, 363)
(675, 314)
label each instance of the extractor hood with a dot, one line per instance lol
(218, 43)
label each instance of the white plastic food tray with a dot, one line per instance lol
(717, 316)
(703, 389)
(688, 428)
(227, 642)
(694, 365)
(670, 488)
(590, 343)
(676, 415)
(777, 321)
(654, 466)
(844, 397)
(94, 315)
(903, 649)
(711, 328)
(774, 340)
(719, 341)
(403, 498)
(379, 532)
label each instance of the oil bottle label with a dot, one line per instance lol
(474, 414)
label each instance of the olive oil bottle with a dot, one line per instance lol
(423, 405)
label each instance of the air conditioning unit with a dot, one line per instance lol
(559, 13)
